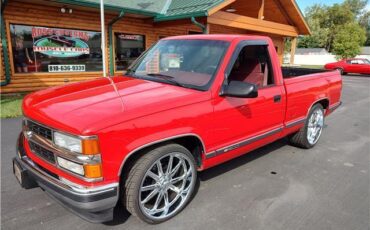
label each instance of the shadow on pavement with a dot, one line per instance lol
(356, 75)
(120, 215)
(239, 161)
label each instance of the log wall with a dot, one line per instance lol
(26, 13)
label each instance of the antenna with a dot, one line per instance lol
(103, 37)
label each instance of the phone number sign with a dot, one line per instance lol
(66, 68)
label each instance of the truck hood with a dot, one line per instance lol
(87, 107)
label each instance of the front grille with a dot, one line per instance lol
(42, 152)
(39, 130)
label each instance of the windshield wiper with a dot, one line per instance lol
(167, 79)
(159, 75)
(129, 71)
(155, 76)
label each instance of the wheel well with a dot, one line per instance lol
(324, 103)
(192, 143)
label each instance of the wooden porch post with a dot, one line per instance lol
(261, 10)
(292, 50)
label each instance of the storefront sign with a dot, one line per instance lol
(66, 68)
(130, 37)
(41, 31)
(46, 49)
(60, 42)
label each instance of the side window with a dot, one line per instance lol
(253, 65)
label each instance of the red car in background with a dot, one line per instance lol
(353, 65)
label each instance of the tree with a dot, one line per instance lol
(364, 21)
(317, 39)
(324, 21)
(348, 40)
(357, 7)
(329, 25)
(336, 17)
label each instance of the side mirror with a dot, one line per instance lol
(240, 89)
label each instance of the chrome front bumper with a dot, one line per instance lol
(94, 204)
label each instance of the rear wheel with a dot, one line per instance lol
(341, 71)
(161, 183)
(310, 133)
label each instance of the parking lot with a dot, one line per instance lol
(275, 187)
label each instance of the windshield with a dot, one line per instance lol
(366, 61)
(185, 63)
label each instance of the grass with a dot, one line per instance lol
(312, 66)
(11, 105)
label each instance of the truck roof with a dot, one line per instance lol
(224, 37)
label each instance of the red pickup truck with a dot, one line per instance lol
(187, 104)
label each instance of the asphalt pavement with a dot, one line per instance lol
(275, 187)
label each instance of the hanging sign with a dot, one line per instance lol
(130, 37)
(60, 42)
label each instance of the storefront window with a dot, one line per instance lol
(44, 49)
(128, 48)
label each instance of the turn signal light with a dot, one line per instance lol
(93, 171)
(90, 146)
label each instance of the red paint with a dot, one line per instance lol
(131, 112)
(348, 67)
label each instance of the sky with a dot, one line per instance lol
(304, 3)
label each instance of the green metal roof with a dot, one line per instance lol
(161, 10)
(182, 9)
(154, 7)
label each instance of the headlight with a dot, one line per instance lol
(86, 170)
(87, 161)
(73, 144)
(88, 146)
(71, 166)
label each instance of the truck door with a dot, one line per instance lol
(244, 119)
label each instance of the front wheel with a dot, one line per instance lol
(161, 183)
(310, 133)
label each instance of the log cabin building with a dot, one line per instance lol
(52, 42)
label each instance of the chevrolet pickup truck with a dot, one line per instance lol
(187, 104)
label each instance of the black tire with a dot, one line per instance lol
(138, 172)
(299, 138)
(341, 71)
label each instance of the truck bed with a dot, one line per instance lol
(290, 72)
(305, 86)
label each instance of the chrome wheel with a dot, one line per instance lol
(166, 186)
(315, 125)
